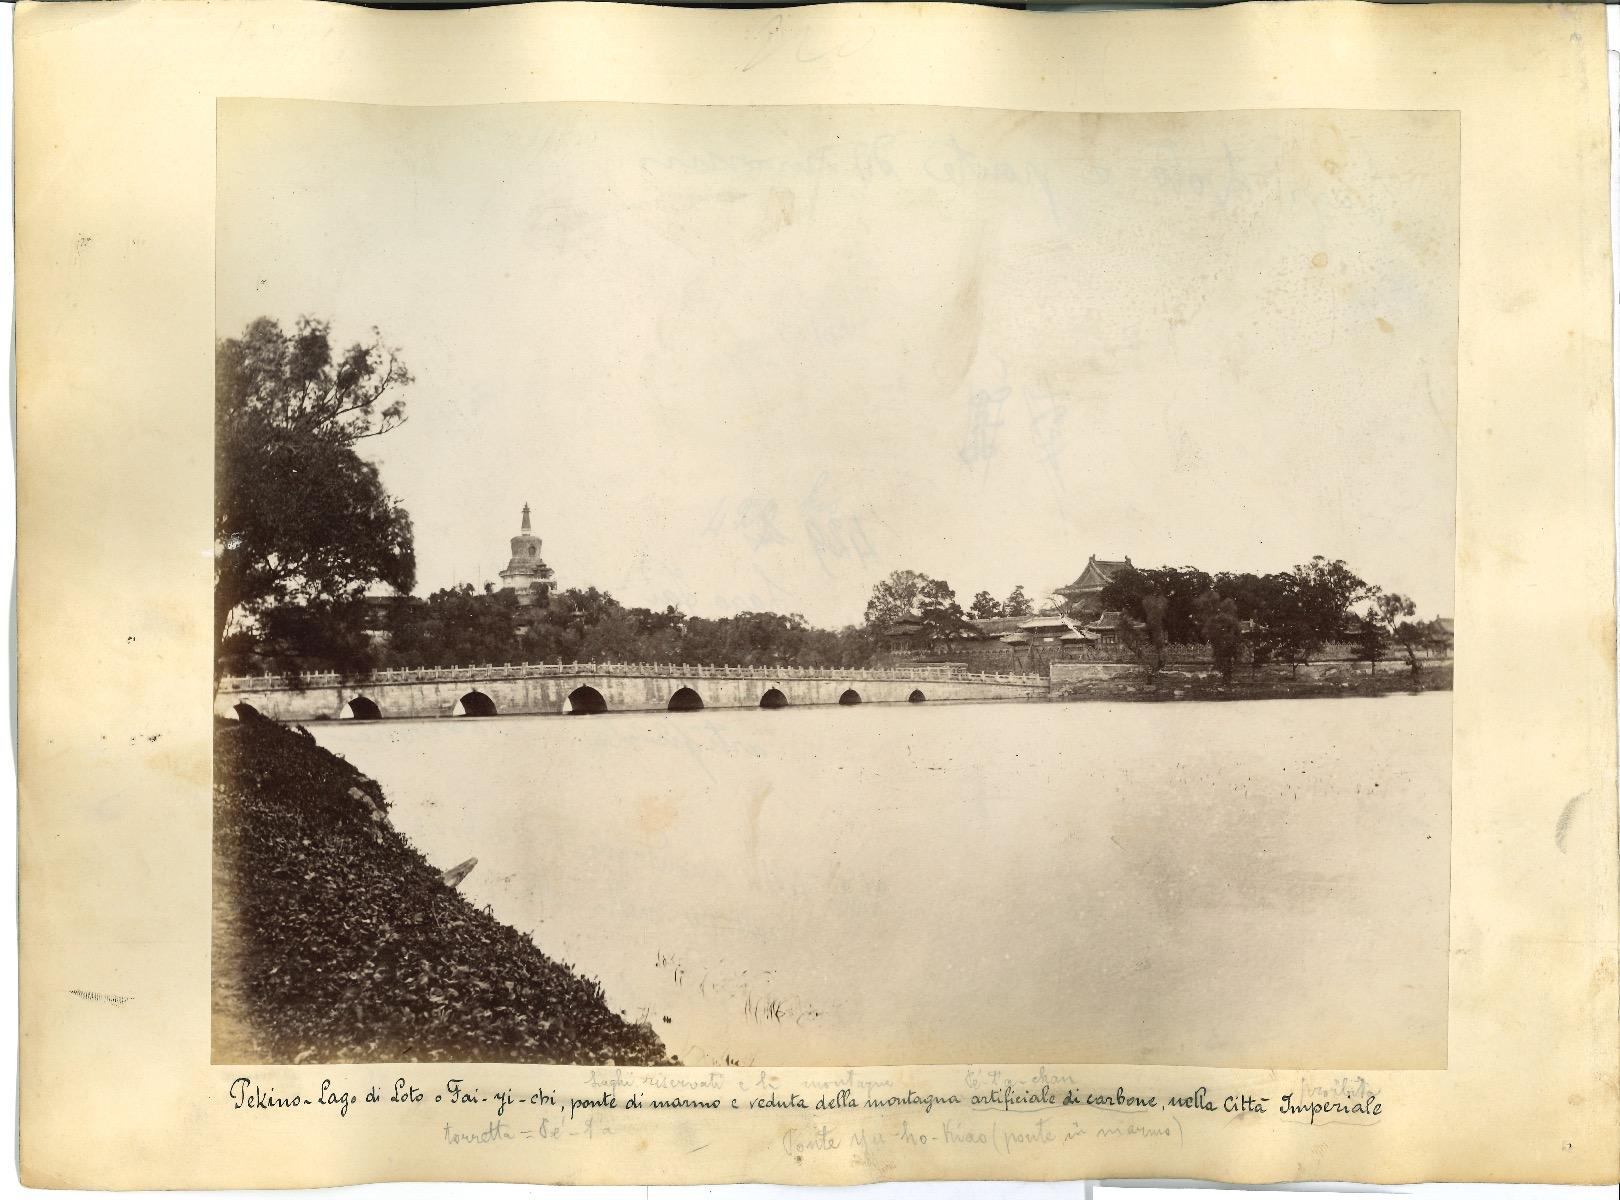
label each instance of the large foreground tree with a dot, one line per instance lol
(303, 526)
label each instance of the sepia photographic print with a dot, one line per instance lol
(1002, 564)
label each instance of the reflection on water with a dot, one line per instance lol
(1244, 883)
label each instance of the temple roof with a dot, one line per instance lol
(1047, 621)
(1095, 575)
(996, 626)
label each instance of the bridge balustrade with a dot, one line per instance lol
(914, 674)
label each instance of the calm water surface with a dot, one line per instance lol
(1245, 883)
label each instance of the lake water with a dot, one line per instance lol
(1247, 883)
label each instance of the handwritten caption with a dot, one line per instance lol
(849, 1114)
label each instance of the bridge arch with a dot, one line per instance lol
(244, 710)
(773, 698)
(585, 701)
(850, 697)
(685, 700)
(361, 708)
(916, 696)
(474, 704)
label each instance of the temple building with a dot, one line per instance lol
(1084, 595)
(1108, 629)
(1049, 629)
(526, 574)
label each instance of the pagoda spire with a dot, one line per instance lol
(525, 518)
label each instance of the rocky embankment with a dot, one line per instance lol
(336, 941)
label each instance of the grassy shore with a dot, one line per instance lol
(336, 941)
(1389, 680)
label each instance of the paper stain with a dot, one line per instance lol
(1384, 325)
(1600, 632)
(1319, 259)
(1603, 977)
(782, 205)
(654, 814)
(1561, 830)
(756, 806)
(178, 764)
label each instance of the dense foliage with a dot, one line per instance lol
(459, 626)
(335, 941)
(927, 604)
(987, 607)
(1284, 616)
(302, 524)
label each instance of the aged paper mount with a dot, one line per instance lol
(137, 157)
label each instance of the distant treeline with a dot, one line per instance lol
(1244, 618)
(1284, 616)
(462, 625)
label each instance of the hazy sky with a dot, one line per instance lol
(758, 358)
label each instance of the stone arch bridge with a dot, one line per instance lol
(588, 688)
